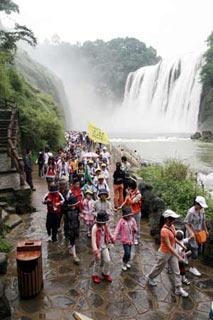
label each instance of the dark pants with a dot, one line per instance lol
(72, 238)
(29, 178)
(127, 252)
(182, 268)
(40, 169)
(52, 225)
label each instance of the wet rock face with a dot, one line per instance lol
(208, 252)
(3, 263)
(5, 311)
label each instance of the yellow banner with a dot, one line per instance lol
(97, 135)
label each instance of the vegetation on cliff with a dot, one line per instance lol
(41, 120)
(206, 106)
(176, 184)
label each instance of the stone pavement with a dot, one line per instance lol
(68, 287)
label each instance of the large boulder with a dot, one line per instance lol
(208, 250)
(155, 218)
(147, 199)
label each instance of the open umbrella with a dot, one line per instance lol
(90, 155)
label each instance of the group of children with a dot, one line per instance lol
(78, 190)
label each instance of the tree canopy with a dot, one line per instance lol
(9, 38)
(207, 71)
(104, 66)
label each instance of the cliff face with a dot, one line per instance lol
(43, 79)
(205, 119)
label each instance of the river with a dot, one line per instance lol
(156, 148)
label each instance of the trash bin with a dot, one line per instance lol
(29, 268)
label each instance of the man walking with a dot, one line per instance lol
(28, 167)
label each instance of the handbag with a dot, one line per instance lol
(201, 236)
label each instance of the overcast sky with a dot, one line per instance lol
(173, 27)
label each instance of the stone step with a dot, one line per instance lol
(5, 114)
(3, 149)
(9, 181)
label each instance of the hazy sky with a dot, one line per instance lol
(173, 27)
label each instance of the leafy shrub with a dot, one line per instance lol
(5, 246)
(176, 184)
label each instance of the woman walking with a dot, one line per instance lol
(168, 254)
(196, 229)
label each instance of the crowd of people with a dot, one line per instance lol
(80, 192)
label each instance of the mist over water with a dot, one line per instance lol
(161, 98)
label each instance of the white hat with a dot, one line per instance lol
(169, 213)
(202, 202)
(104, 148)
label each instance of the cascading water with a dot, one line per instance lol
(163, 98)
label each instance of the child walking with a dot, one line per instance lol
(183, 254)
(126, 230)
(54, 200)
(72, 224)
(101, 238)
(87, 212)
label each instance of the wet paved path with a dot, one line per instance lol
(68, 288)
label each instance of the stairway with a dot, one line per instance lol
(9, 177)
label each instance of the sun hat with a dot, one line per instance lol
(201, 201)
(89, 191)
(104, 148)
(101, 176)
(170, 213)
(126, 211)
(102, 217)
(98, 169)
(90, 161)
(103, 191)
(103, 164)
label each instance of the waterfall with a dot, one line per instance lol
(164, 97)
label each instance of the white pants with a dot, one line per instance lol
(162, 260)
(103, 263)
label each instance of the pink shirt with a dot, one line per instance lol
(125, 230)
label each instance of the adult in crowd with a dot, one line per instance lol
(125, 166)
(28, 167)
(133, 200)
(196, 229)
(168, 254)
(118, 184)
(40, 161)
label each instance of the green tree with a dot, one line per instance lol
(9, 39)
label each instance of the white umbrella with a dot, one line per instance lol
(90, 155)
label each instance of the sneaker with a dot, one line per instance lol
(49, 239)
(186, 281)
(150, 281)
(136, 242)
(195, 272)
(96, 279)
(128, 265)
(107, 277)
(124, 267)
(181, 292)
(76, 260)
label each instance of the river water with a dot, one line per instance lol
(198, 155)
